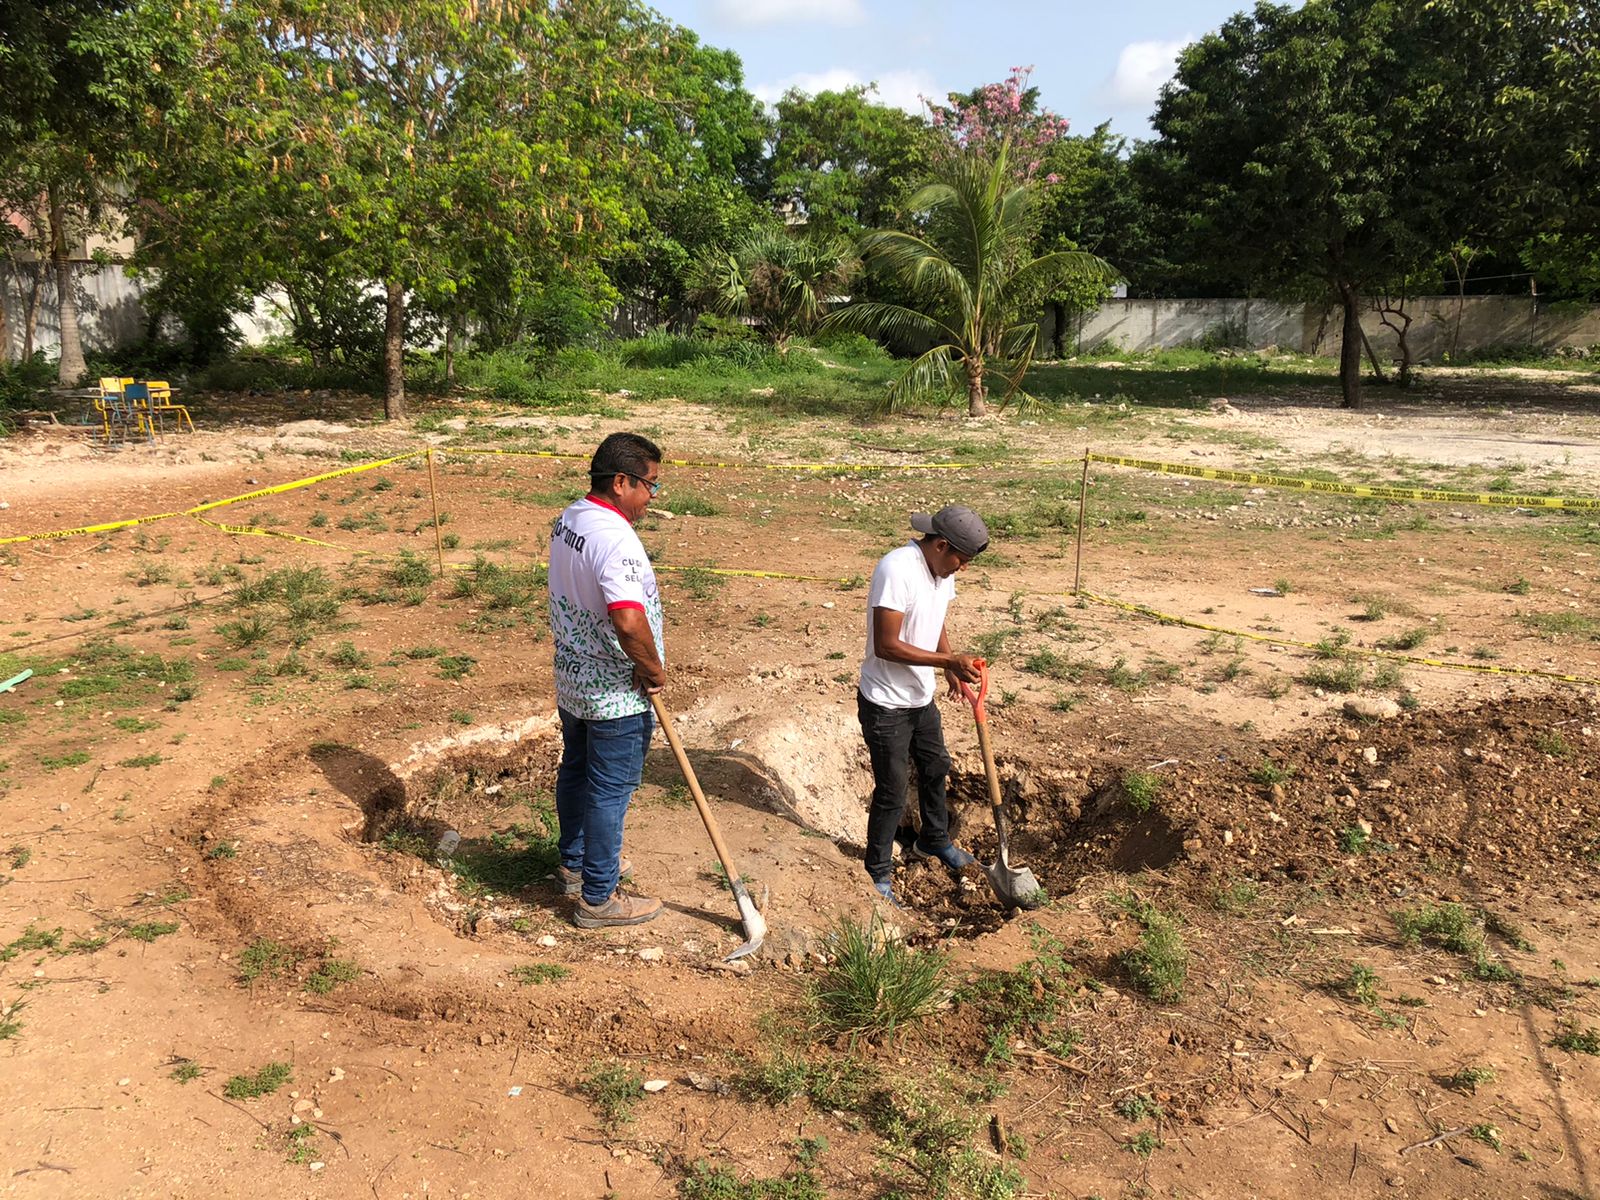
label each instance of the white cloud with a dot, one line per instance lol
(895, 89)
(750, 14)
(1142, 68)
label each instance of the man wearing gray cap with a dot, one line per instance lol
(906, 643)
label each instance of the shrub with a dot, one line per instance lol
(877, 984)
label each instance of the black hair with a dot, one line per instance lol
(622, 454)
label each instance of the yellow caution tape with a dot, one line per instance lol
(253, 531)
(1371, 491)
(737, 573)
(278, 489)
(726, 466)
(82, 529)
(1476, 668)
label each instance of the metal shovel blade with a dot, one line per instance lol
(1014, 886)
(755, 925)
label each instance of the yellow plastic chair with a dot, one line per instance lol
(160, 401)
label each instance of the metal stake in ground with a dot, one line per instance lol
(1083, 493)
(1014, 887)
(433, 490)
(755, 925)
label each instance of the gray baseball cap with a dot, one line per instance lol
(956, 524)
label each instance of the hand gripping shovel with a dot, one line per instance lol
(755, 925)
(1014, 887)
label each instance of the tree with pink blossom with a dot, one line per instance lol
(1000, 114)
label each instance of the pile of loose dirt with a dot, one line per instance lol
(1505, 793)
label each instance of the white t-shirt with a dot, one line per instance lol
(902, 582)
(598, 565)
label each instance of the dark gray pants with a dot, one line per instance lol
(896, 738)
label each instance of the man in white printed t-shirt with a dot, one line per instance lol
(906, 643)
(606, 620)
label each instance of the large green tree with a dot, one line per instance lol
(1323, 146)
(417, 146)
(75, 72)
(973, 280)
(1534, 70)
(843, 163)
(784, 281)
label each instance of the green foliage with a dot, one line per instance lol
(1470, 1079)
(186, 1070)
(1031, 999)
(149, 931)
(706, 1182)
(1454, 928)
(1266, 773)
(1577, 1041)
(29, 940)
(613, 1090)
(1138, 1106)
(1159, 964)
(876, 985)
(266, 958)
(332, 973)
(537, 973)
(263, 1083)
(1140, 790)
(973, 285)
(781, 280)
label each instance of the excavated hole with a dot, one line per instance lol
(495, 791)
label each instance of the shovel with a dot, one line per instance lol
(755, 925)
(1014, 887)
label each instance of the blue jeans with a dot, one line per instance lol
(896, 739)
(601, 765)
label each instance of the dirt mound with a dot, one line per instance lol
(1507, 790)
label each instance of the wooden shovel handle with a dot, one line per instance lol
(694, 790)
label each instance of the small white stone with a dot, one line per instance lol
(652, 954)
(124, 1081)
(547, 940)
(655, 1085)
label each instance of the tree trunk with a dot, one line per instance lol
(1372, 357)
(976, 392)
(450, 352)
(1350, 348)
(73, 368)
(394, 349)
(30, 315)
(5, 315)
(1058, 331)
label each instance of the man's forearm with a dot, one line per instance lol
(637, 642)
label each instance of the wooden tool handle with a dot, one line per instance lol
(694, 790)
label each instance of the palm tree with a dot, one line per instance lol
(784, 282)
(974, 289)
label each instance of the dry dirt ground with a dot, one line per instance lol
(223, 790)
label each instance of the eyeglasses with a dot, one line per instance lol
(653, 484)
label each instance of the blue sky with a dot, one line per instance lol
(1093, 61)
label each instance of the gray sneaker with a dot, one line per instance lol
(619, 910)
(572, 881)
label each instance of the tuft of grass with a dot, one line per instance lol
(1266, 773)
(223, 850)
(9, 1025)
(1137, 1107)
(346, 655)
(613, 1090)
(1470, 1079)
(1576, 1041)
(1354, 840)
(149, 931)
(690, 504)
(1409, 639)
(1159, 964)
(1051, 665)
(1140, 790)
(1450, 927)
(1488, 1134)
(73, 758)
(1550, 741)
(330, 975)
(185, 1070)
(1144, 1144)
(31, 939)
(1519, 586)
(142, 760)
(456, 666)
(532, 974)
(263, 1083)
(246, 631)
(266, 958)
(876, 984)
